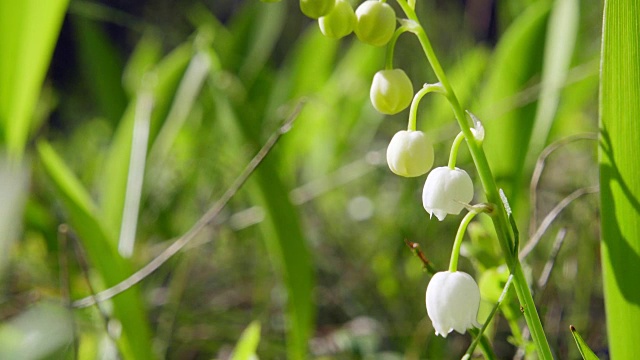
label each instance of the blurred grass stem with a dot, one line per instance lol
(202, 223)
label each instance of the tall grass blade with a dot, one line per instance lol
(135, 177)
(135, 342)
(28, 33)
(508, 121)
(283, 237)
(559, 45)
(113, 187)
(620, 174)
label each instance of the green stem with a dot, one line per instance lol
(413, 110)
(478, 337)
(500, 220)
(454, 150)
(485, 345)
(392, 46)
(455, 252)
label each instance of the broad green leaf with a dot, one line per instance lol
(248, 343)
(585, 351)
(559, 45)
(83, 219)
(620, 175)
(28, 33)
(508, 123)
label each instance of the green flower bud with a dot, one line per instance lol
(391, 91)
(339, 22)
(410, 153)
(376, 22)
(316, 8)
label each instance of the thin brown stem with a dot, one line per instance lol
(415, 248)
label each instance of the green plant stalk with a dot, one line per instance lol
(454, 151)
(499, 217)
(455, 252)
(413, 110)
(480, 335)
(392, 46)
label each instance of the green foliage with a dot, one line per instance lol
(28, 31)
(325, 273)
(619, 184)
(516, 62)
(585, 351)
(84, 220)
(248, 343)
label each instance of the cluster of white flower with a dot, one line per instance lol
(452, 297)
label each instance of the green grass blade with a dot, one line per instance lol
(144, 57)
(248, 343)
(559, 45)
(508, 122)
(113, 188)
(287, 245)
(135, 343)
(283, 236)
(28, 33)
(620, 174)
(585, 351)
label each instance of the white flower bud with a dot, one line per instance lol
(453, 299)
(446, 191)
(391, 91)
(410, 153)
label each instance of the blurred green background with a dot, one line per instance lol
(312, 248)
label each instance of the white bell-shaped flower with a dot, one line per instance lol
(410, 153)
(446, 191)
(453, 299)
